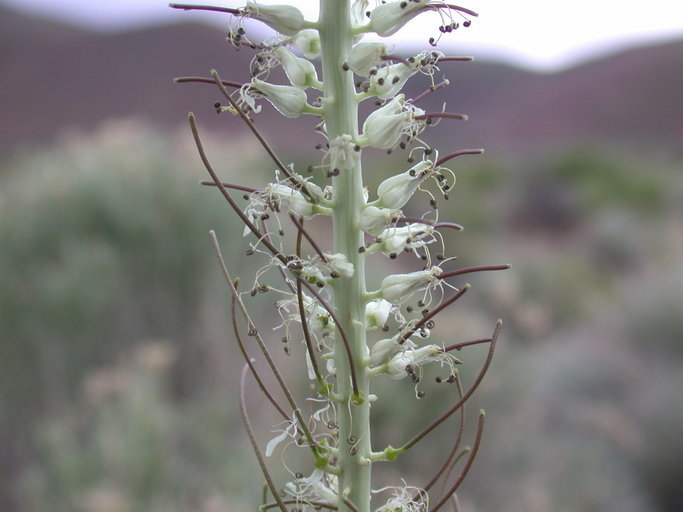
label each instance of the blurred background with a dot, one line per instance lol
(118, 370)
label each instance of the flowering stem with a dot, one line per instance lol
(341, 118)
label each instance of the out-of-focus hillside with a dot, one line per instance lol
(55, 77)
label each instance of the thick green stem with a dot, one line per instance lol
(341, 118)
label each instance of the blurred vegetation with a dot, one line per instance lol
(117, 372)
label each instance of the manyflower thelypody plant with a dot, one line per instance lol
(324, 301)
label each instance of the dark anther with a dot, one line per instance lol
(299, 475)
(352, 440)
(245, 197)
(241, 31)
(250, 252)
(281, 232)
(395, 80)
(253, 292)
(415, 379)
(466, 23)
(353, 450)
(252, 331)
(412, 172)
(403, 5)
(286, 350)
(345, 66)
(265, 216)
(451, 379)
(438, 380)
(409, 309)
(409, 369)
(318, 146)
(320, 284)
(445, 196)
(424, 312)
(284, 339)
(392, 255)
(432, 203)
(423, 257)
(402, 145)
(334, 275)
(217, 105)
(428, 151)
(356, 148)
(335, 172)
(430, 324)
(385, 328)
(421, 304)
(439, 257)
(410, 160)
(420, 394)
(380, 81)
(309, 168)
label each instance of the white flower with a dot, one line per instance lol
(385, 126)
(339, 264)
(394, 240)
(397, 288)
(395, 192)
(407, 361)
(318, 486)
(386, 348)
(377, 313)
(285, 19)
(389, 80)
(366, 57)
(301, 72)
(284, 197)
(386, 19)
(308, 41)
(289, 101)
(402, 501)
(343, 153)
(373, 220)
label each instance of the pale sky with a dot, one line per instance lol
(543, 34)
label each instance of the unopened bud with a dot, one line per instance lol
(301, 72)
(374, 220)
(397, 288)
(308, 41)
(377, 313)
(285, 19)
(289, 101)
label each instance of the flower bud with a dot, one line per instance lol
(308, 41)
(285, 19)
(365, 57)
(395, 192)
(377, 313)
(301, 72)
(397, 288)
(374, 220)
(386, 19)
(289, 101)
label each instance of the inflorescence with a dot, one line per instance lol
(400, 315)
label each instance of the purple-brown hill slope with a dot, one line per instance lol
(54, 76)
